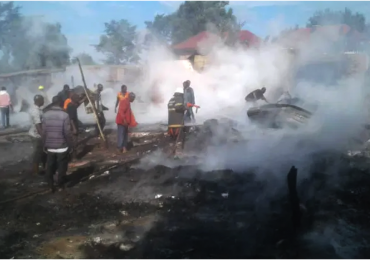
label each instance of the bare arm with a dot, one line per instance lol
(263, 98)
(117, 102)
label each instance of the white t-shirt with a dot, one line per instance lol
(36, 118)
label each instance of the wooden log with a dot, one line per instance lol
(293, 196)
(93, 106)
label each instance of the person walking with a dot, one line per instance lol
(5, 106)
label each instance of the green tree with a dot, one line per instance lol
(118, 43)
(191, 18)
(84, 58)
(28, 42)
(328, 17)
(9, 22)
(40, 45)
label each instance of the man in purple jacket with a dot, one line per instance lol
(58, 142)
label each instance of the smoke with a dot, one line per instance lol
(220, 90)
(234, 72)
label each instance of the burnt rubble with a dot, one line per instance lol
(114, 209)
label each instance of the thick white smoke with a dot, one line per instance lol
(233, 73)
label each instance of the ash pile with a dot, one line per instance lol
(166, 207)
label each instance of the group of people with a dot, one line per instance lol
(55, 132)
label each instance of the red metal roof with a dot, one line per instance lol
(193, 42)
(247, 36)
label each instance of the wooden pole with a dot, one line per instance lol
(293, 196)
(92, 104)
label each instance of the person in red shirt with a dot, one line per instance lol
(124, 119)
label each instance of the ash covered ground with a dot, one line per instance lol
(115, 208)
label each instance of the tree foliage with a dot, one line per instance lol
(29, 43)
(84, 58)
(191, 18)
(118, 42)
(328, 17)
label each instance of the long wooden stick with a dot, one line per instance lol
(92, 104)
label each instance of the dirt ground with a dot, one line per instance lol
(113, 209)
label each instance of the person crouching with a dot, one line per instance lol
(124, 119)
(58, 142)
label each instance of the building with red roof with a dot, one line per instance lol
(191, 45)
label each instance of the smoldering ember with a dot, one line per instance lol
(244, 148)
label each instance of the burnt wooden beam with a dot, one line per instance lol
(293, 196)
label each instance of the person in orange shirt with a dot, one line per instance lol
(66, 103)
(124, 119)
(121, 95)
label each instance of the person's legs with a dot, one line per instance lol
(125, 138)
(120, 132)
(62, 167)
(102, 121)
(192, 114)
(187, 117)
(38, 155)
(3, 119)
(51, 166)
(7, 110)
(75, 141)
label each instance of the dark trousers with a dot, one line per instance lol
(5, 116)
(75, 142)
(57, 163)
(39, 156)
(102, 122)
(122, 136)
(189, 115)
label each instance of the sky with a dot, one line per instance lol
(83, 21)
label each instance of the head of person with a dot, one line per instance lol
(123, 89)
(66, 88)
(74, 98)
(186, 84)
(263, 90)
(38, 100)
(57, 101)
(100, 87)
(3, 88)
(131, 97)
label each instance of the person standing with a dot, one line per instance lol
(5, 106)
(188, 98)
(58, 142)
(71, 110)
(121, 95)
(39, 156)
(99, 109)
(64, 94)
(124, 119)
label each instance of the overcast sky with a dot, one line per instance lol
(83, 22)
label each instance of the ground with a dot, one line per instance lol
(114, 209)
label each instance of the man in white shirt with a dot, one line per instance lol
(39, 156)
